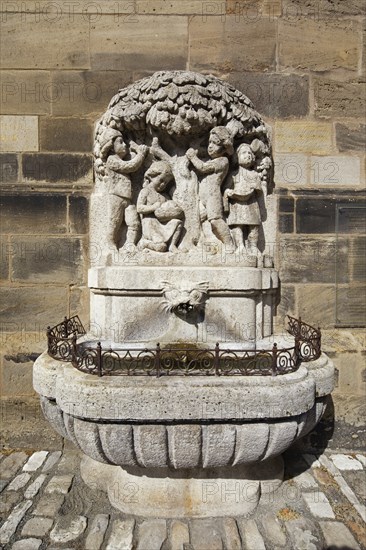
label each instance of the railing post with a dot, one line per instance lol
(73, 349)
(274, 360)
(217, 359)
(48, 339)
(297, 348)
(157, 360)
(99, 359)
(65, 327)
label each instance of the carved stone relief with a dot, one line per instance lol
(182, 160)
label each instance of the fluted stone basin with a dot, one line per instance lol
(172, 435)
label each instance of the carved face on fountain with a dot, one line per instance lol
(186, 299)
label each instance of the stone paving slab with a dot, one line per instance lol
(46, 505)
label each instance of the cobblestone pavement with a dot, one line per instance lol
(45, 504)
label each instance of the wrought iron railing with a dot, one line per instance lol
(173, 361)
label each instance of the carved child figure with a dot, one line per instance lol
(119, 188)
(220, 147)
(161, 223)
(241, 201)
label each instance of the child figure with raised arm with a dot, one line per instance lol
(220, 147)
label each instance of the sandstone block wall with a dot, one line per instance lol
(301, 63)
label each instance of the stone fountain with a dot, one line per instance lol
(179, 395)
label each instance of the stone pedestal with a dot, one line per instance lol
(198, 493)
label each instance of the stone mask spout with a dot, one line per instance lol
(185, 301)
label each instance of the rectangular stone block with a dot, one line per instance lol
(291, 169)
(274, 95)
(49, 41)
(339, 99)
(66, 134)
(286, 205)
(303, 137)
(230, 44)
(181, 7)
(317, 304)
(358, 260)
(53, 168)
(40, 304)
(17, 375)
(144, 42)
(46, 260)
(48, 11)
(351, 306)
(350, 138)
(35, 213)
(318, 45)
(4, 258)
(335, 171)
(319, 214)
(78, 215)
(19, 133)
(25, 92)
(306, 260)
(286, 223)
(9, 168)
(86, 92)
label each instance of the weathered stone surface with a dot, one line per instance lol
(211, 44)
(121, 535)
(9, 167)
(305, 260)
(26, 92)
(205, 535)
(49, 505)
(19, 133)
(47, 260)
(18, 482)
(218, 445)
(11, 464)
(337, 45)
(53, 168)
(85, 92)
(72, 530)
(8, 500)
(291, 169)
(251, 536)
(322, 9)
(232, 537)
(337, 535)
(185, 446)
(34, 487)
(51, 461)
(132, 38)
(150, 445)
(335, 171)
(20, 213)
(286, 205)
(66, 134)
(96, 533)
(68, 35)
(339, 99)
(303, 137)
(286, 223)
(17, 376)
(303, 534)
(9, 527)
(316, 214)
(274, 95)
(151, 533)
(45, 305)
(35, 461)
(273, 530)
(253, 10)
(78, 215)
(179, 535)
(27, 544)
(345, 462)
(319, 505)
(37, 527)
(350, 138)
(177, 7)
(317, 305)
(59, 484)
